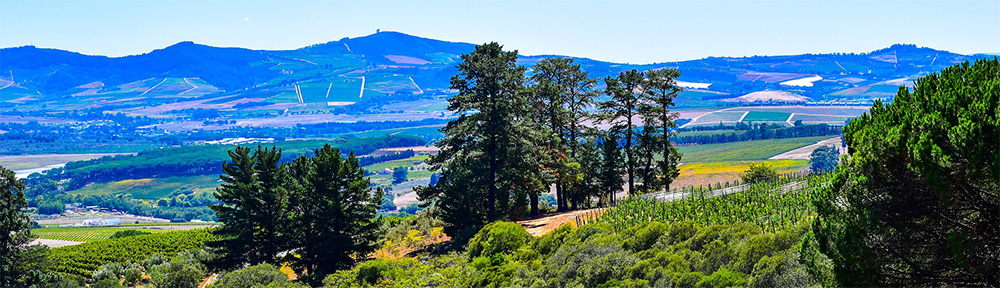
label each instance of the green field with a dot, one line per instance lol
(747, 150)
(150, 188)
(756, 116)
(84, 234)
(408, 162)
(711, 132)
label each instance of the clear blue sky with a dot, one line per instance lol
(621, 31)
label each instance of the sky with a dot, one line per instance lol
(618, 31)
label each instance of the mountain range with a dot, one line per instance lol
(368, 74)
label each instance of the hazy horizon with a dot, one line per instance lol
(614, 32)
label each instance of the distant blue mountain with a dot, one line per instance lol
(393, 62)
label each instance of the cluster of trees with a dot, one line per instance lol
(759, 132)
(316, 213)
(519, 133)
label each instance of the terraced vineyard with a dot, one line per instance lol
(83, 234)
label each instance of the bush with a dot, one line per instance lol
(498, 238)
(646, 236)
(128, 233)
(182, 271)
(757, 173)
(723, 278)
(263, 274)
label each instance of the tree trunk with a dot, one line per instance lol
(534, 203)
(491, 214)
(628, 154)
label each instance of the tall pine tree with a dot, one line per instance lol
(658, 119)
(621, 111)
(333, 213)
(486, 146)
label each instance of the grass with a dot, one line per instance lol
(150, 188)
(744, 151)
(83, 234)
(711, 132)
(408, 162)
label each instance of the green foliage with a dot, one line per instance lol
(399, 175)
(128, 233)
(184, 271)
(595, 255)
(916, 202)
(21, 265)
(498, 238)
(254, 197)
(85, 258)
(320, 207)
(770, 205)
(487, 155)
(823, 159)
(85, 234)
(723, 278)
(334, 211)
(50, 207)
(759, 172)
(253, 276)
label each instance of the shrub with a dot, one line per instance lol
(723, 278)
(263, 274)
(498, 238)
(646, 236)
(128, 233)
(757, 173)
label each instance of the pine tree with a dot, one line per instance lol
(661, 91)
(621, 110)
(254, 200)
(492, 137)
(611, 169)
(333, 209)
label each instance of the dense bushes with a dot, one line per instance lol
(650, 255)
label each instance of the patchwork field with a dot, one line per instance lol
(832, 115)
(151, 188)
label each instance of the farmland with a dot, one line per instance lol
(832, 115)
(737, 151)
(705, 173)
(151, 188)
(83, 259)
(84, 234)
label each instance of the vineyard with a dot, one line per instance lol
(770, 205)
(83, 234)
(83, 259)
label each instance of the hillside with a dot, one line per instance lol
(392, 72)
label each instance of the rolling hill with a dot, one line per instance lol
(360, 76)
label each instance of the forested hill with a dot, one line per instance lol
(392, 62)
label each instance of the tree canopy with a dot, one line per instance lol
(917, 203)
